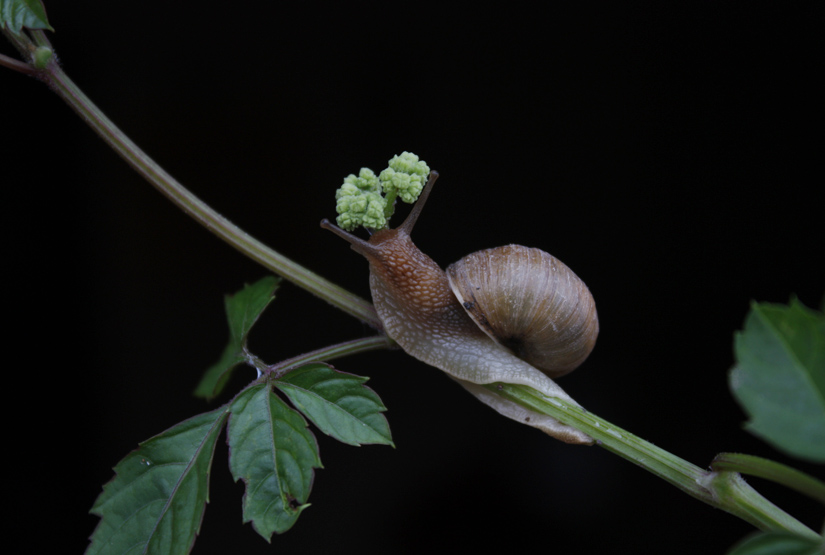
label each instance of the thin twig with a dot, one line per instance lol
(17, 65)
(331, 352)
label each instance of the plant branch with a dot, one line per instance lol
(200, 211)
(770, 470)
(723, 490)
(16, 65)
(331, 352)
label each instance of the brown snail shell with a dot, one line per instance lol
(529, 302)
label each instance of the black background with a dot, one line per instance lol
(672, 156)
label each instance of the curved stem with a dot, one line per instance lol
(724, 490)
(770, 470)
(200, 211)
(331, 352)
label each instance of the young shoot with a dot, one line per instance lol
(368, 200)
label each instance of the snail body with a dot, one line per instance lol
(458, 322)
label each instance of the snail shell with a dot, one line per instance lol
(529, 302)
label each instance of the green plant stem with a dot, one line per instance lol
(770, 470)
(724, 490)
(200, 211)
(16, 65)
(332, 352)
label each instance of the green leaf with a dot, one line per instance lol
(215, 378)
(338, 403)
(156, 501)
(779, 378)
(244, 307)
(16, 14)
(242, 311)
(777, 543)
(271, 449)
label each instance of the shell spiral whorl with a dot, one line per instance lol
(530, 302)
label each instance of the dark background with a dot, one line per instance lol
(672, 156)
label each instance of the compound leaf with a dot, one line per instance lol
(242, 311)
(338, 403)
(157, 498)
(273, 452)
(779, 378)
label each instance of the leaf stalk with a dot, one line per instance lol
(331, 352)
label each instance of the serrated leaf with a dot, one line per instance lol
(242, 311)
(273, 452)
(777, 543)
(156, 501)
(338, 403)
(779, 378)
(16, 14)
(244, 307)
(216, 376)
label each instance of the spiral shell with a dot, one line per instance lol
(529, 302)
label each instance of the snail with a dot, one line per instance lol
(510, 314)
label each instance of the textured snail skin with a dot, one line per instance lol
(420, 312)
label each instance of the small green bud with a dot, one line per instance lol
(366, 180)
(407, 162)
(405, 177)
(360, 200)
(406, 186)
(42, 57)
(359, 208)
